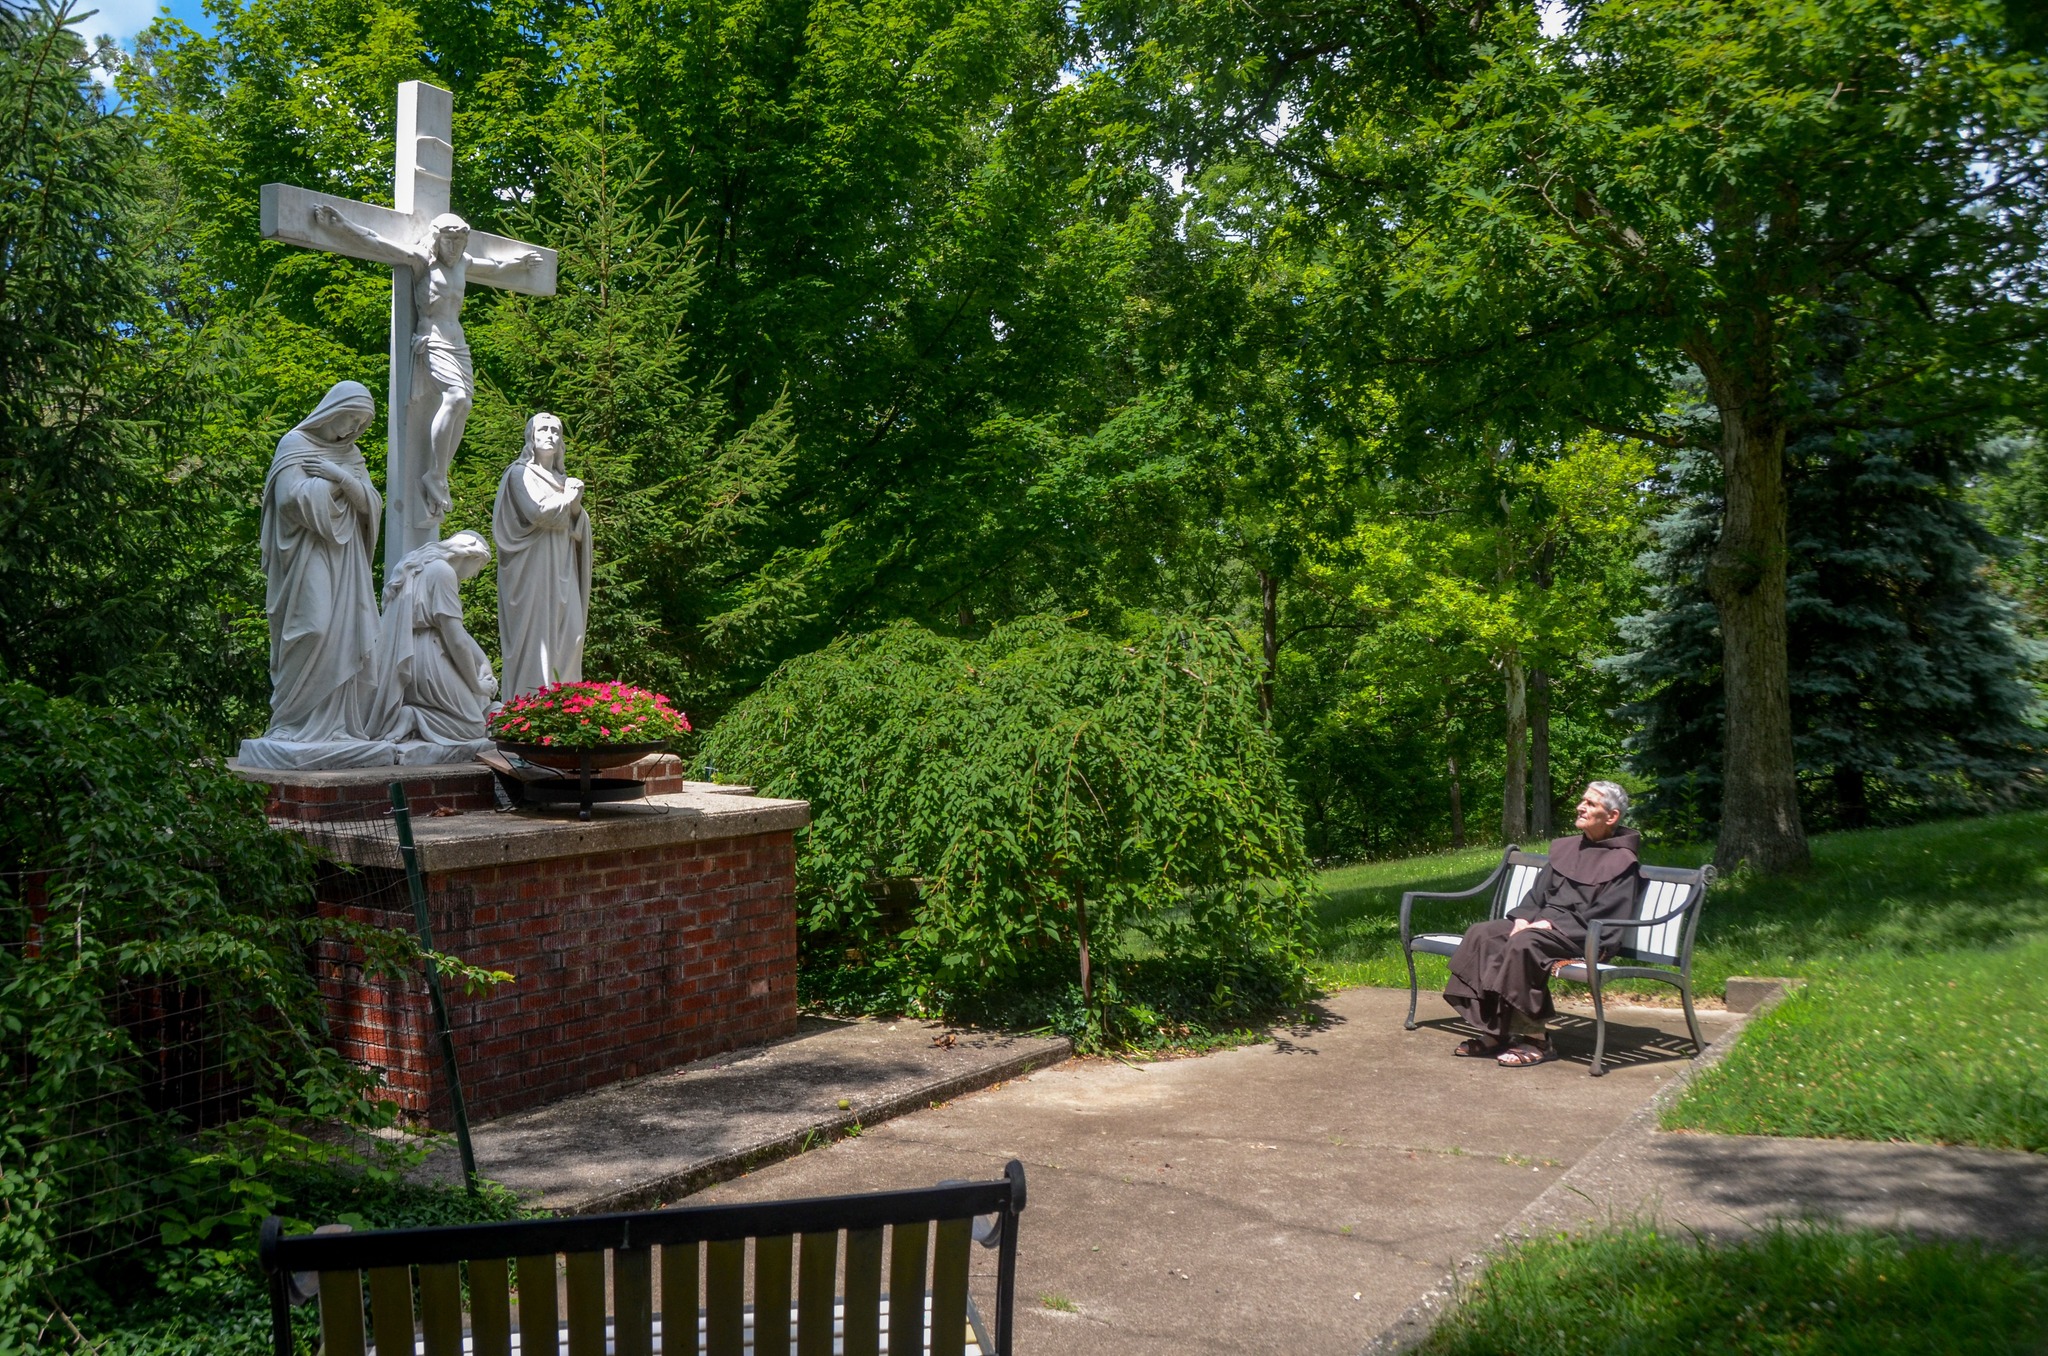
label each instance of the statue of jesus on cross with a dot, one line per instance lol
(433, 254)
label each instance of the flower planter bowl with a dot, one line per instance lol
(583, 790)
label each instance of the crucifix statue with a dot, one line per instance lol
(433, 256)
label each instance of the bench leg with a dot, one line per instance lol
(1410, 1023)
(1599, 1026)
(1692, 1023)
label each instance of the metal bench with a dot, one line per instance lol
(518, 1300)
(1655, 942)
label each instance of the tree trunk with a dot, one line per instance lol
(1269, 634)
(1457, 805)
(1514, 800)
(1081, 925)
(1542, 801)
(1746, 577)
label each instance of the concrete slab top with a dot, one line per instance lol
(656, 1139)
(697, 813)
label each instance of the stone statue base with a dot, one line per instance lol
(418, 753)
(285, 755)
(288, 755)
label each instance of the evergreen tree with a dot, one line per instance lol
(122, 572)
(1906, 668)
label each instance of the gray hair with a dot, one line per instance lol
(1612, 796)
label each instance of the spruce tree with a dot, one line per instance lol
(1907, 671)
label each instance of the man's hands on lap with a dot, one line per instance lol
(1521, 923)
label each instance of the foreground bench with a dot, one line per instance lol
(1654, 942)
(496, 1289)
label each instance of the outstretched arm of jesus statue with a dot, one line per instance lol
(390, 251)
(487, 267)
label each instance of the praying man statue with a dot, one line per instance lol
(442, 369)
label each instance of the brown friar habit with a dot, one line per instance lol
(1493, 971)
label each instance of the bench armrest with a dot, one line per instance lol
(1593, 926)
(1408, 899)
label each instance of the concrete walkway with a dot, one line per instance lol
(1294, 1197)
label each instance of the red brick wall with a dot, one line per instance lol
(425, 796)
(624, 963)
(443, 794)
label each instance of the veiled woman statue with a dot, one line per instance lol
(434, 683)
(543, 538)
(320, 516)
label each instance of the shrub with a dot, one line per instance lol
(1045, 825)
(161, 1034)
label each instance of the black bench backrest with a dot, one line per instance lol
(700, 1255)
(1673, 890)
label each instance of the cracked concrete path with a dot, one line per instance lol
(1290, 1198)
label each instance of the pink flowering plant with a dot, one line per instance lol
(587, 716)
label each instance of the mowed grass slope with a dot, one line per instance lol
(1956, 885)
(1809, 1291)
(1942, 1049)
(1925, 952)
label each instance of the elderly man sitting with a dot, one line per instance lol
(1500, 973)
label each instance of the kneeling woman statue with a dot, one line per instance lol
(433, 681)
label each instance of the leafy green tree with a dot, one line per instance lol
(1043, 801)
(2012, 493)
(1421, 628)
(1544, 232)
(1684, 182)
(678, 497)
(916, 255)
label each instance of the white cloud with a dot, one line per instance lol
(120, 18)
(1555, 16)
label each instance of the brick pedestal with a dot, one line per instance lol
(653, 935)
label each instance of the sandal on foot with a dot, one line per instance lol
(1479, 1047)
(1525, 1054)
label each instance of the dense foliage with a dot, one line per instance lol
(1044, 811)
(158, 1017)
(119, 560)
(1907, 675)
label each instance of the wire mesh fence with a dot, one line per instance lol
(144, 1050)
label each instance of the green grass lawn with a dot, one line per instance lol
(1926, 955)
(1957, 885)
(1945, 1048)
(1806, 1291)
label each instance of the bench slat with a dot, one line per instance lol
(586, 1303)
(863, 1311)
(341, 1313)
(679, 1296)
(907, 1243)
(725, 1298)
(391, 1310)
(949, 1287)
(441, 1309)
(540, 1314)
(772, 1257)
(633, 1302)
(490, 1308)
(817, 1270)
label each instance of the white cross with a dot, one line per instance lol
(426, 161)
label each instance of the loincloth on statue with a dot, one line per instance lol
(444, 363)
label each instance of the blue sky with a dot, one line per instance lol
(125, 18)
